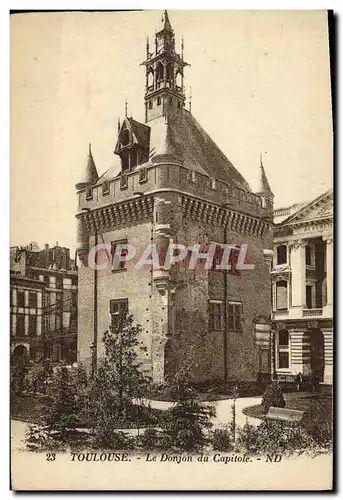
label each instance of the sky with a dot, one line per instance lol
(260, 83)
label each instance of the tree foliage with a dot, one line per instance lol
(273, 397)
(118, 389)
(188, 421)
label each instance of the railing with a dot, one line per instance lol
(312, 312)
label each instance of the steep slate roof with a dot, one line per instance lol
(141, 132)
(182, 135)
(264, 187)
(90, 174)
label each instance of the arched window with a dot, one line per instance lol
(170, 73)
(281, 295)
(159, 72)
(282, 349)
(178, 79)
(281, 255)
(150, 79)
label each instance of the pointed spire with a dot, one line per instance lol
(166, 22)
(263, 186)
(90, 174)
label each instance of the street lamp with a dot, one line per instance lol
(94, 345)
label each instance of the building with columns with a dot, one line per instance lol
(302, 284)
(173, 184)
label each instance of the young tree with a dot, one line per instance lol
(64, 410)
(188, 421)
(120, 380)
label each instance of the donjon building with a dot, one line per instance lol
(175, 185)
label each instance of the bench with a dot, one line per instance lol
(284, 415)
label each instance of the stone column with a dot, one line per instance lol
(327, 310)
(298, 278)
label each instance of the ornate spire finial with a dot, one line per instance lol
(147, 47)
(166, 22)
(182, 46)
(190, 99)
(125, 108)
(118, 125)
(90, 149)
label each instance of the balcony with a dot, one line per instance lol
(312, 312)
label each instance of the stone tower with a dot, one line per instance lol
(174, 186)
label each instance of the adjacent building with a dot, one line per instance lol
(302, 284)
(175, 185)
(43, 303)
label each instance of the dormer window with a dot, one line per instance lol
(89, 193)
(213, 184)
(125, 138)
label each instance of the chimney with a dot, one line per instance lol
(46, 254)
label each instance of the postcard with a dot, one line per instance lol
(171, 259)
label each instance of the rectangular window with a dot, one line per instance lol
(119, 249)
(215, 321)
(33, 299)
(281, 295)
(118, 310)
(105, 187)
(282, 343)
(89, 193)
(158, 101)
(20, 325)
(281, 255)
(59, 282)
(308, 255)
(123, 182)
(20, 298)
(32, 324)
(234, 316)
(143, 175)
(309, 303)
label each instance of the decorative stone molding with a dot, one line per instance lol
(205, 212)
(295, 245)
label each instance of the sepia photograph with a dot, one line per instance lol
(171, 250)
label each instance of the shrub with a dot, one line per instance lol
(222, 439)
(40, 438)
(273, 397)
(322, 434)
(151, 439)
(113, 439)
(186, 423)
(64, 411)
(276, 437)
